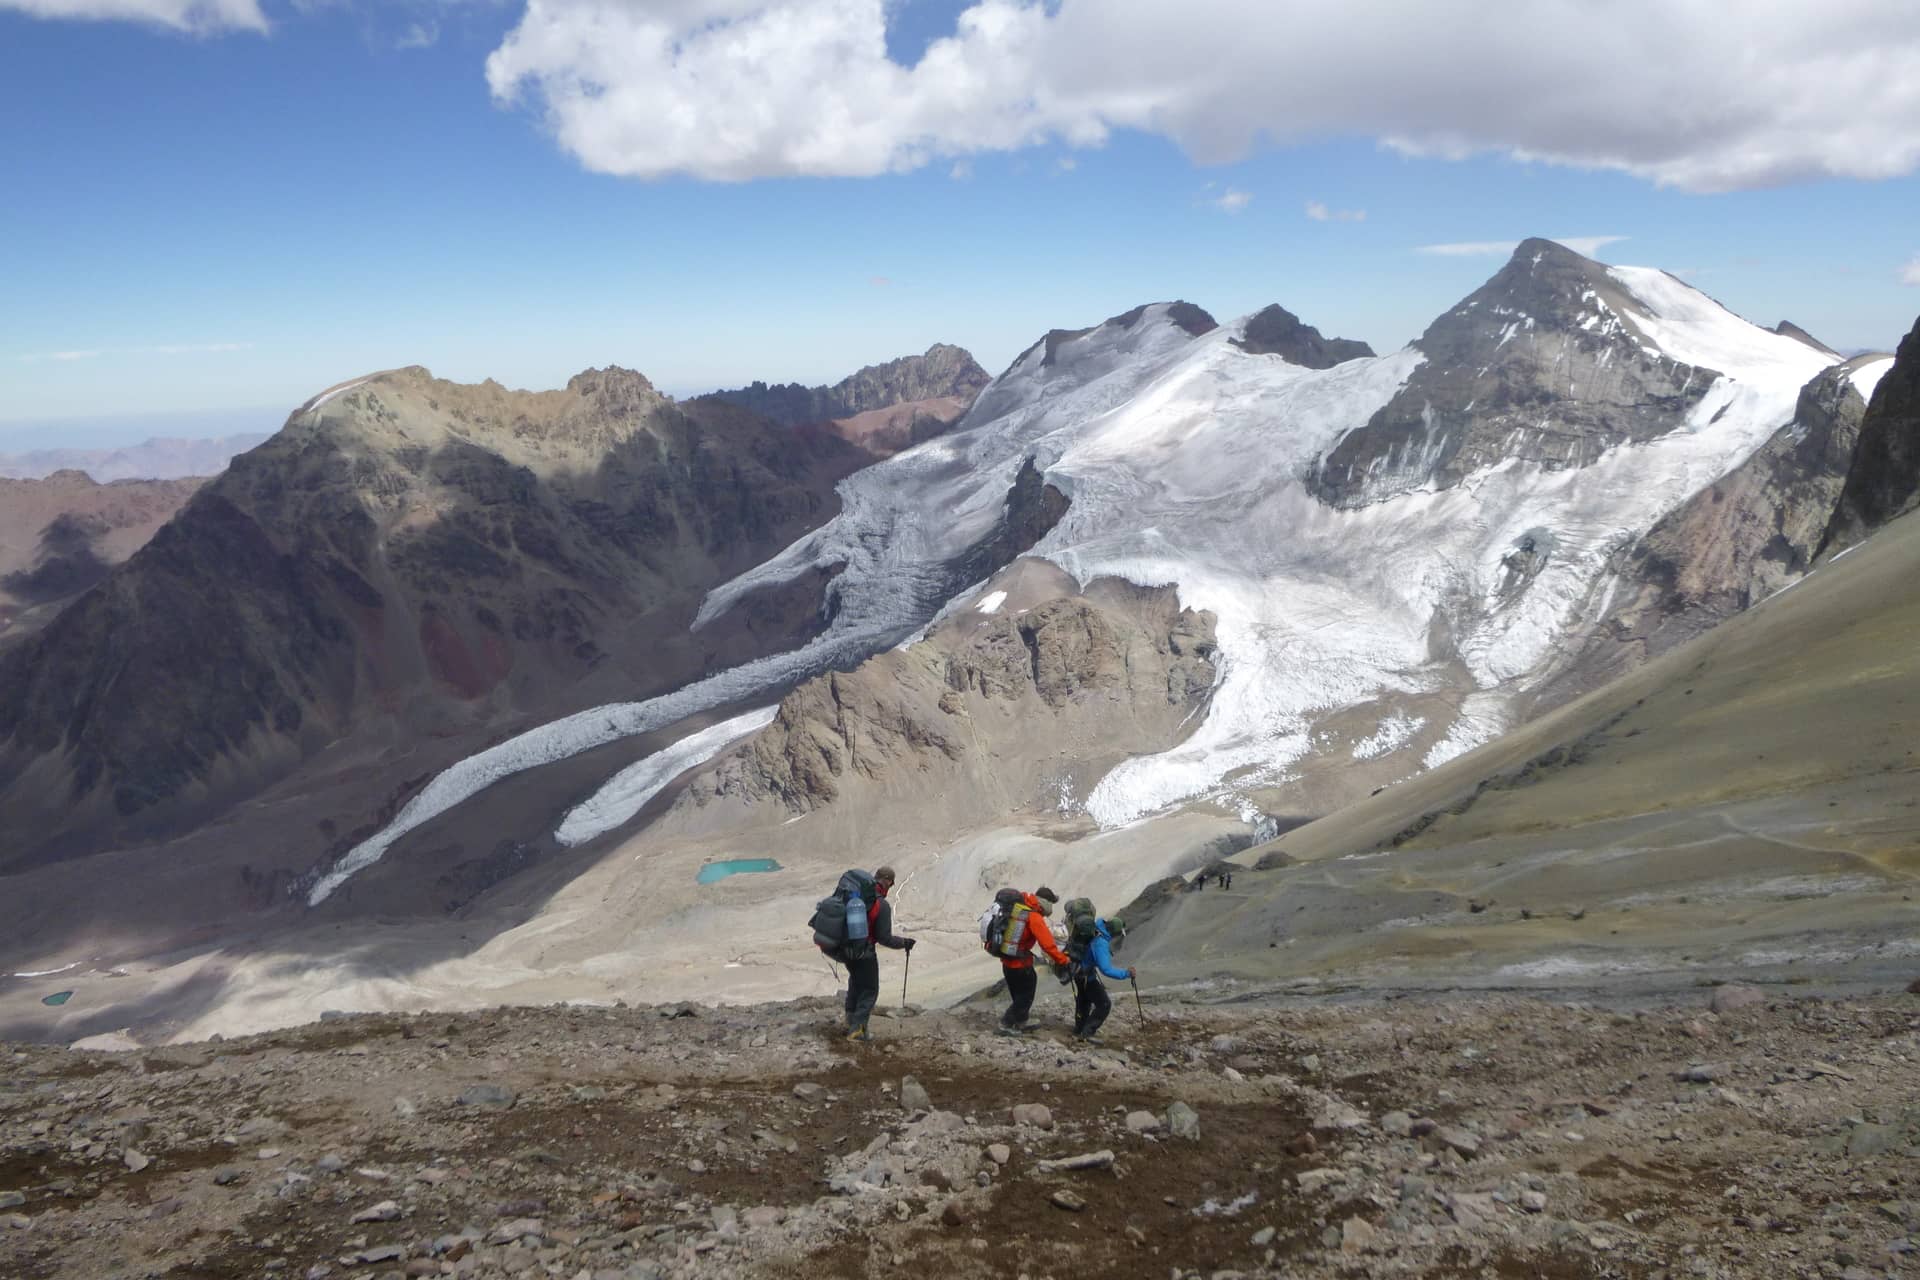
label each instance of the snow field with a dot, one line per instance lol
(1183, 459)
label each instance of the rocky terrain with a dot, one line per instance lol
(882, 408)
(1116, 670)
(1733, 544)
(61, 534)
(1737, 1133)
(161, 458)
(1884, 479)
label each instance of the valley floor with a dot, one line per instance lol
(1442, 1136)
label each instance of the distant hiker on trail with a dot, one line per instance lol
(1010, 929)
(846, 927)
(1090, 943)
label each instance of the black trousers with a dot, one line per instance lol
(1091, 1004)
(1021, 984)
(863, 988)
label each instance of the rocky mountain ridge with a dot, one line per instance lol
(1546, 364)
(404, 549)
(1274, 330)
(882, 408)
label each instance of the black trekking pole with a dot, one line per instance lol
(1140, 1008)
(906, 967)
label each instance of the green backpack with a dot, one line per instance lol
(1082, 927)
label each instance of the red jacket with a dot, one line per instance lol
(1035, 934)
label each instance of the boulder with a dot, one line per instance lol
(1736, 996)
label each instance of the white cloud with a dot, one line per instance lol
(191, 348)
(1231, 200)
(202, 17)
(170, 349)
(37, 356)
(1910, 274)
(1321, 213)
(1584, 245)
(418, 35)
(962, 170)
(1673, 91)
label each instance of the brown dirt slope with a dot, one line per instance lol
(1470, 1138)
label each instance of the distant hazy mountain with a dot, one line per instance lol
(61, 534)
(161, 458)
(883, 408)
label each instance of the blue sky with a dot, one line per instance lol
(225, 221)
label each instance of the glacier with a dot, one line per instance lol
(628, 791)
(1184, 458)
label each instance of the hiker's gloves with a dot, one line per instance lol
(906, 944)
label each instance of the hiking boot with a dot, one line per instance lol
(859, 1035)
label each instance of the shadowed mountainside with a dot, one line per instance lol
(407, 553)
(62, 534)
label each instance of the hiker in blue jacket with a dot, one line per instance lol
(1091, 1004)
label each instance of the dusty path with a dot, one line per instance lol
(1491, 1136)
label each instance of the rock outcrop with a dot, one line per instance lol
(1277, 331)
(1788, 329)
(1739, 540)
(1120, 659)
(1884, 481)
(1542, 364)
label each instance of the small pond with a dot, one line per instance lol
(57, 998)
(715, 871)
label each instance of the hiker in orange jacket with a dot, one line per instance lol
(1022, 981)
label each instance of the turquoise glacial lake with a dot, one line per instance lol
(716, 871)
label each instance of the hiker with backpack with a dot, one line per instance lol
(847, 925)
(1090, 943)
(1010, 929)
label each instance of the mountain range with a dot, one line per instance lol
(445, 693)
(161, 458)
